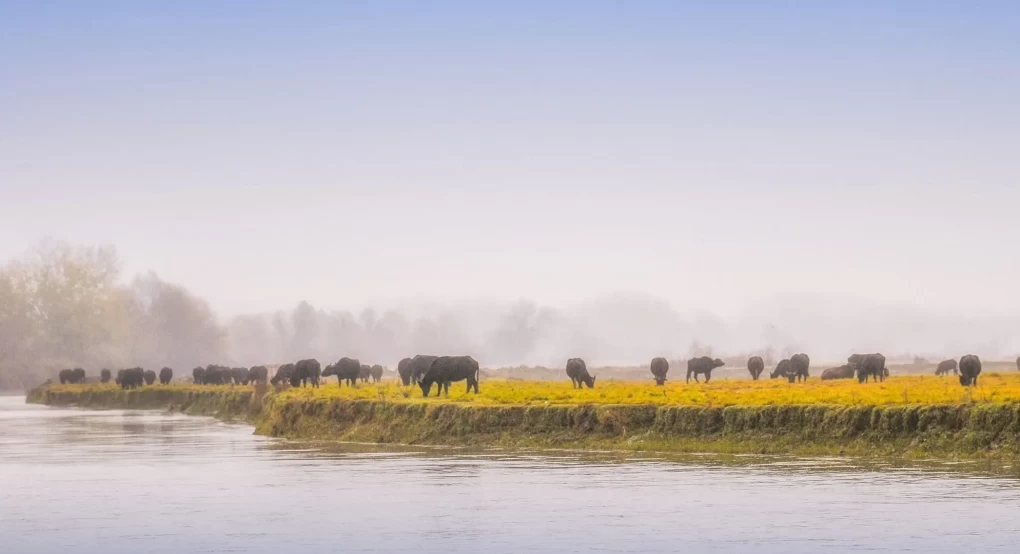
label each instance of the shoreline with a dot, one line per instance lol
(940, 431)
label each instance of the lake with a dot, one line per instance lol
(138, 482)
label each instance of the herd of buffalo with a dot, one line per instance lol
(425, 371)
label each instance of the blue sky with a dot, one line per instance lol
(713, 154)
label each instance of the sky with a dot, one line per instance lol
(717, 155)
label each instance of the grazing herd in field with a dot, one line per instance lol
(426, 371)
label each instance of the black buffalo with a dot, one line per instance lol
(104, 376)
(165, 375)
(217, 375)
(347, 369)
(447, 369)
(404, 370)
(755, 366)
(377, 371)
(419, 365)
(1018, 362)
(704, 366)
(970, 368)
(284, 374)
(149, 376)
(364, 373)
(799, 364)
(946, 367)
(842, 372)
(239, 375)
(659, 368)
(131, 378)
(198, 375)
(782, 370)
(577, 370)
(258, 374)
(72, 376)
(869, 366)
(306, 372)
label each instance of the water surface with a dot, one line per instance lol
(138, 482)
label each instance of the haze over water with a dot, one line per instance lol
(122, 482)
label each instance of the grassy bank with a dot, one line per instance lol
(980, 424)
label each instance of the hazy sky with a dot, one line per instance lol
(347, 153)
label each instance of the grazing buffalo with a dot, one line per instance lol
(755, 366)
(1018, 362)
(149, 376)
(659, 368)
(364, 373)
(72, 376)
(104, 376)
(306, 371)
(198, 375)
(217, 375)
(165, 375)
(577, 370)
(79, 375)
(404, 371)
(377, 371)
(799, 364)
(65, 376)
(419, 365)
(258, 374)
(284, 374)
(347, 369)
(447, 369)
(703, 366)
(782, 370)
(131, 378)
(946, 367)
(845, 371)
(239, 375)
(869, 366)
(970, 368)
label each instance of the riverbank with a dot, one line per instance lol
(945, 431)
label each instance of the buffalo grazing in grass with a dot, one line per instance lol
(165, 375)
(946, 367)
(970, 368)
(577, 370)
(659, 368)
(447, 369)
(755, 366)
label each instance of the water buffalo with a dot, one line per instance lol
(704, 366)
(946, 367)
(1018, 362)
(306, 371)
(131, 378)
(217, 375)
(869, 366)
(165, 375)
(284, 374)
(447, 369)
(66, 376)
(755, 366)
(404, 371)
(782, 370)
(659, 368)
(377, 372)
(577, 370)
(845, 371)
(239, 375)
(799, 364)
(347, 369)
(198, 375)
(258, 374)
(149, 376)
(419, 365)
(970, 368)
(364, 373)
(104, 376)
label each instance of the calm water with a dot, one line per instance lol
(136, 482)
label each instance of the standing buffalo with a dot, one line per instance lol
(72, 376)
(799, 364)
(1018, 362)
(239, 375)
(347, 369)
(946, 367)
(149, 376)
(755, 366)
(377, 372)
(306, 371)
(131, 378)
(868, 366)
(704, 366)
(217, 375)
(970, 368)
(782, 370)
(165, 375)
(659, 368)
(577, 370)
(198, 375)
(79, 375)
(419, 365)
(104, 376)
(447, 369)
(404, 371)
(842, 372)
(284, 374)
(364, 373)
(258, 374)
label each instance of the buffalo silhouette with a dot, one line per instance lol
(702, 365)
(165, 375)
(578, 373)
(447, 369)
(970, 368)
(755, 366)
(946, 367)
(659, 368)
(347, 369)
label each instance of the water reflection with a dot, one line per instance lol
(133, 482)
